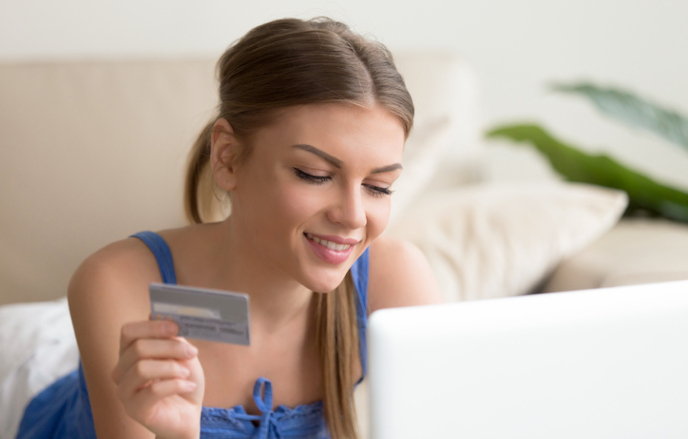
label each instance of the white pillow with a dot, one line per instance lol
(423, 154)
(37, 347)
(446, 124)
(501, 240)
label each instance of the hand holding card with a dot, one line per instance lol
(159, 379)
(202, 313)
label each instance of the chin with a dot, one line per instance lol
(324, 283)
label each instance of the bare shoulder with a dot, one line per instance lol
(399, 275)
(126, 253)
(125, 263)
(109, 289)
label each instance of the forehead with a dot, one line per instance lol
(348, 132)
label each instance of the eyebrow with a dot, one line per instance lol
(338, 163)
(388, 168)
(320, 153)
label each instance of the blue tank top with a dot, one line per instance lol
(63, 410)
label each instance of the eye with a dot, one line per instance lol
(378, 191)
(314, 179)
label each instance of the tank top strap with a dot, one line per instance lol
(162, 254)
(359, 274)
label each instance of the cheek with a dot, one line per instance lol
(378, 216)
(295, 203)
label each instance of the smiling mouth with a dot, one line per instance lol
(329, 244)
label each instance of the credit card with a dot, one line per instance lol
(202, 313)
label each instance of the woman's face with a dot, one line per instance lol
(315, 190)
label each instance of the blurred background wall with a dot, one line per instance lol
(515, 47)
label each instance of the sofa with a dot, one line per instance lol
(93, 151)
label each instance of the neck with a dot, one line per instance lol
(277, 301)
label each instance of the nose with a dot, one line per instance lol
(348, 209)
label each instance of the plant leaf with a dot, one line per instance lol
(633, 110)
(574, 165)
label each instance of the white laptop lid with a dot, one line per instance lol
(606, 363)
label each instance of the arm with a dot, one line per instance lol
(107, 291)
(400, 275)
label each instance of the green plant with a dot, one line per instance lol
(574, 165)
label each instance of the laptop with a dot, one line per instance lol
(605, 363)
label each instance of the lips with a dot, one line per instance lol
(331, 249)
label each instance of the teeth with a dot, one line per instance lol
(329, 244)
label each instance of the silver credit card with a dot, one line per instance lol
(202, 313)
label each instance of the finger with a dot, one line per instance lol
(146, 329)
(146, 399)
(146, 372)
(163, 389)
(175, 348)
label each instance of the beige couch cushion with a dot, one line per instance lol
(635, 251)
(90, 152)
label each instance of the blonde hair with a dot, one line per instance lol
(294, 62)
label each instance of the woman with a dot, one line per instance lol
(307, 144)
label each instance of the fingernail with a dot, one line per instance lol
(189, 385)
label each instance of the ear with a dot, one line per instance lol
(223, 153)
